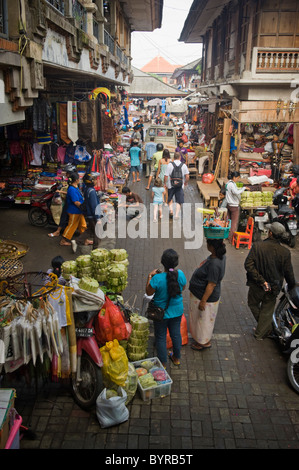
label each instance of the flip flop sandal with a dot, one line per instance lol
(176, 362)
(51, 235)
(65, 244)
(199, 348)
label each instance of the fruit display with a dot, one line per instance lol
(256, 198)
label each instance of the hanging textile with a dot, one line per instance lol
(87, 121)
(72, 121)
(63, 123)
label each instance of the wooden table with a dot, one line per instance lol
(209, 192)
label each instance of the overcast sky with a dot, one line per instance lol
(164, 41)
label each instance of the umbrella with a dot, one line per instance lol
(155, 102)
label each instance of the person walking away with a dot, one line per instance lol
(74, 200)
(93, 215)
(149, 148)
(158, 196)
(267, 265)
(155, 163)
(162, 166)
(133, 203)
(176, 179)
(135, 159)
(205, 291)
(167, 288)
(233, 197)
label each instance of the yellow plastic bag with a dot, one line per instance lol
(115, 362)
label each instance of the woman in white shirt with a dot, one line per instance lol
(233, 197)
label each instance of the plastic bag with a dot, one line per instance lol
(184, 333)
(112, 411)
(115, 362)
(110, 324)
(207, 178)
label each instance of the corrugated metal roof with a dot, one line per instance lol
(145, 85)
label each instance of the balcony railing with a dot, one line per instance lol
(109, 41)
(58, 4)
(79, 13)
(277, 60)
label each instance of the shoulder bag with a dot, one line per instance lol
(154, 312)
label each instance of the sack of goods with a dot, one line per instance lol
(138, 340)
(111, 407)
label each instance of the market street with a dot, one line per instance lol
(233, 396)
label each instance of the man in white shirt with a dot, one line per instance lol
(176, 186)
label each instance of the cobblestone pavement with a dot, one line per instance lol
(235, 395)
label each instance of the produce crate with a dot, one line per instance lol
(217, 232)
(159, 391)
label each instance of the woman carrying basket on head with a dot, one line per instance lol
(205, 289)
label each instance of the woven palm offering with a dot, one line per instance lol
(12, 250)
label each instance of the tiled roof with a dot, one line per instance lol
(159, 65)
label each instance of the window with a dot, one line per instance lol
(3, 19)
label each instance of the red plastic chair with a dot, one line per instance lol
(244, 238)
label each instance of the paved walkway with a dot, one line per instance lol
(232, 396)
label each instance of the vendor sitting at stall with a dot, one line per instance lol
(133, 202)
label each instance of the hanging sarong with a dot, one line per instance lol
(72, 121)
(63, 123)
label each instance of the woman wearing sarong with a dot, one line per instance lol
(205, 289)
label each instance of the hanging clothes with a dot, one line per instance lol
(87, 121)
(63, 123)
(60, 302)
(72, 121)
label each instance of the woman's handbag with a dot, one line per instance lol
(154, 312)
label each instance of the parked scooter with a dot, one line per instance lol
(285, 323)
(87, 384)
(285, 214)
(39, 213)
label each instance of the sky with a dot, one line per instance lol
(164, 41)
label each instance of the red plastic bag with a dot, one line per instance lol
(207, 178)
(110, 324)
(184, 333)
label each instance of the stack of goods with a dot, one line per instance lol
(116, 277)
(89, 284)
(256, 199)
(68, 269)
(217, 225)
(84, 266)
(138, 340)
(100, 262)
(119, 256)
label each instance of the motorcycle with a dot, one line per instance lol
(285, 322)
(39, 213)
(87, 383)
(285, 214)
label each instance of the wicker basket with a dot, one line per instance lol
(10, 249)
(10, 268)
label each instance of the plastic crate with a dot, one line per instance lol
(159, 391)
(217, 232)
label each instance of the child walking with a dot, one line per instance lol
(158, 197)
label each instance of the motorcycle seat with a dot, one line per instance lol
(286, 210)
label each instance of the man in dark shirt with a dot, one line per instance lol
(133, 203)
(267, 264)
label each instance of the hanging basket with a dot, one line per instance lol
(10, 249)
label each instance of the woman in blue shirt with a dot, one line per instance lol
(74, 200)
(167, 288)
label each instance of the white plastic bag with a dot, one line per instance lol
(112, 411)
